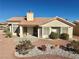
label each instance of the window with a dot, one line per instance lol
(64, 30)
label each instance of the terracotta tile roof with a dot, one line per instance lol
(65, 21)
(15, 19)
(41, 21)
(37, 21)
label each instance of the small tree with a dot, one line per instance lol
(53, 35)
(64, 36)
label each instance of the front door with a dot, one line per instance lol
(25, 31)
(29, 30)
(35, 31)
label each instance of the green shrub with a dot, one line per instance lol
(23, 47)
(53, 35)
(64, 36)
(7, 32)
(75, 45)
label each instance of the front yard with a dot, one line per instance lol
(47, 47)
(7, 50)
(61, 47)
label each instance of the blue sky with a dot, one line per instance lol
(68, 9)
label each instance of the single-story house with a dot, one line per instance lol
(39, 27)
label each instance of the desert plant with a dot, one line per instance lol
(75, 44)
(23, 47)
(7, 32)
(42, 48)
(72, 47)
(64, 36)
(53, 35)
(51, 47)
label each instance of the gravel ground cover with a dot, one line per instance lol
(7, 50)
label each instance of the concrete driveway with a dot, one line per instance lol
(7, 50)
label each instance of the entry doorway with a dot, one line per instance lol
(35, 31)
(24, 31)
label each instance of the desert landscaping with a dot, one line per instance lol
(7, 50)
(39, 29)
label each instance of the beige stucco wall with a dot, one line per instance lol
(21, 31)
(47, 34)
(70, 32)
(55, 23)
(10, 27)
(39, 32)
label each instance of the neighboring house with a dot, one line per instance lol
(76, 28)
(40, 27)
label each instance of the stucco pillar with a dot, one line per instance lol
(42, 32)
(21, 31)
(50, 29)
(61, 30)
(10, 28)
(38, 33)
(70, 32)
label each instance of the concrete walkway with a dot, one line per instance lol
(7, 50)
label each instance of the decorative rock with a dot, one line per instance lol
(53, 51)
